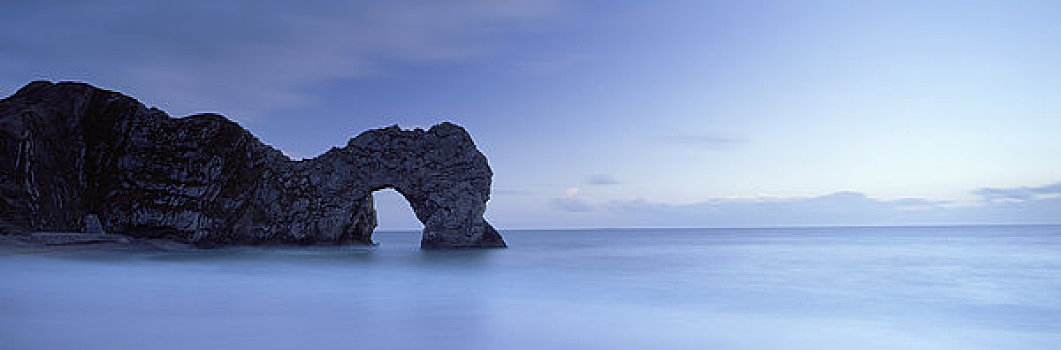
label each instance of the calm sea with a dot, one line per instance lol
(996, 287)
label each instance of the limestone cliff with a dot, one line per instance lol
(68, 150)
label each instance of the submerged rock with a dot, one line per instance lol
(72, 153)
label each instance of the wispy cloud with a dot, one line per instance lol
(601, 179)
(1019, 193)
(841, 208)
(550, 64)
(243, 58)
(707, 141)
(572, 204)
(572, 201)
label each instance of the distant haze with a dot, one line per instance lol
(617, 113)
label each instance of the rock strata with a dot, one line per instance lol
(71, 153)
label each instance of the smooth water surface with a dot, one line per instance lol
(990, 287)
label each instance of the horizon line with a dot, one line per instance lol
(744, 227)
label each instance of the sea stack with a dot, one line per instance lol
(70, 151)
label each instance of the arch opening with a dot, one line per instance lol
(396, 222)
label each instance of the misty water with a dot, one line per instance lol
(996, 287)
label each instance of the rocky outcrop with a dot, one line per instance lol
(68, 150)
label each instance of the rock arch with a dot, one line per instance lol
(439, 171)
(204, 179)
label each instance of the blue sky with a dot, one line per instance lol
(617, 113)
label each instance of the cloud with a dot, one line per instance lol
(836, 209)
(244, 59)
(571, 192)
(571, 201)
(550, 64)
(841, 208)
(1019, 193)
(572, 204)
(601, 179)
(707, 141)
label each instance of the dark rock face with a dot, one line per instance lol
(92, 225)
(68, 150)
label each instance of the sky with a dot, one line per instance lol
(616, 113)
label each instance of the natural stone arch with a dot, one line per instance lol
(206, 180)
(445, 179)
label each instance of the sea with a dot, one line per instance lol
(958, 287)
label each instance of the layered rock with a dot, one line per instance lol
(68, 150)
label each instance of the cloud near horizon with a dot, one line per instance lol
(1019, 193)
(836, 209)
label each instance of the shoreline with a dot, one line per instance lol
(48, 242)
(44, 242)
